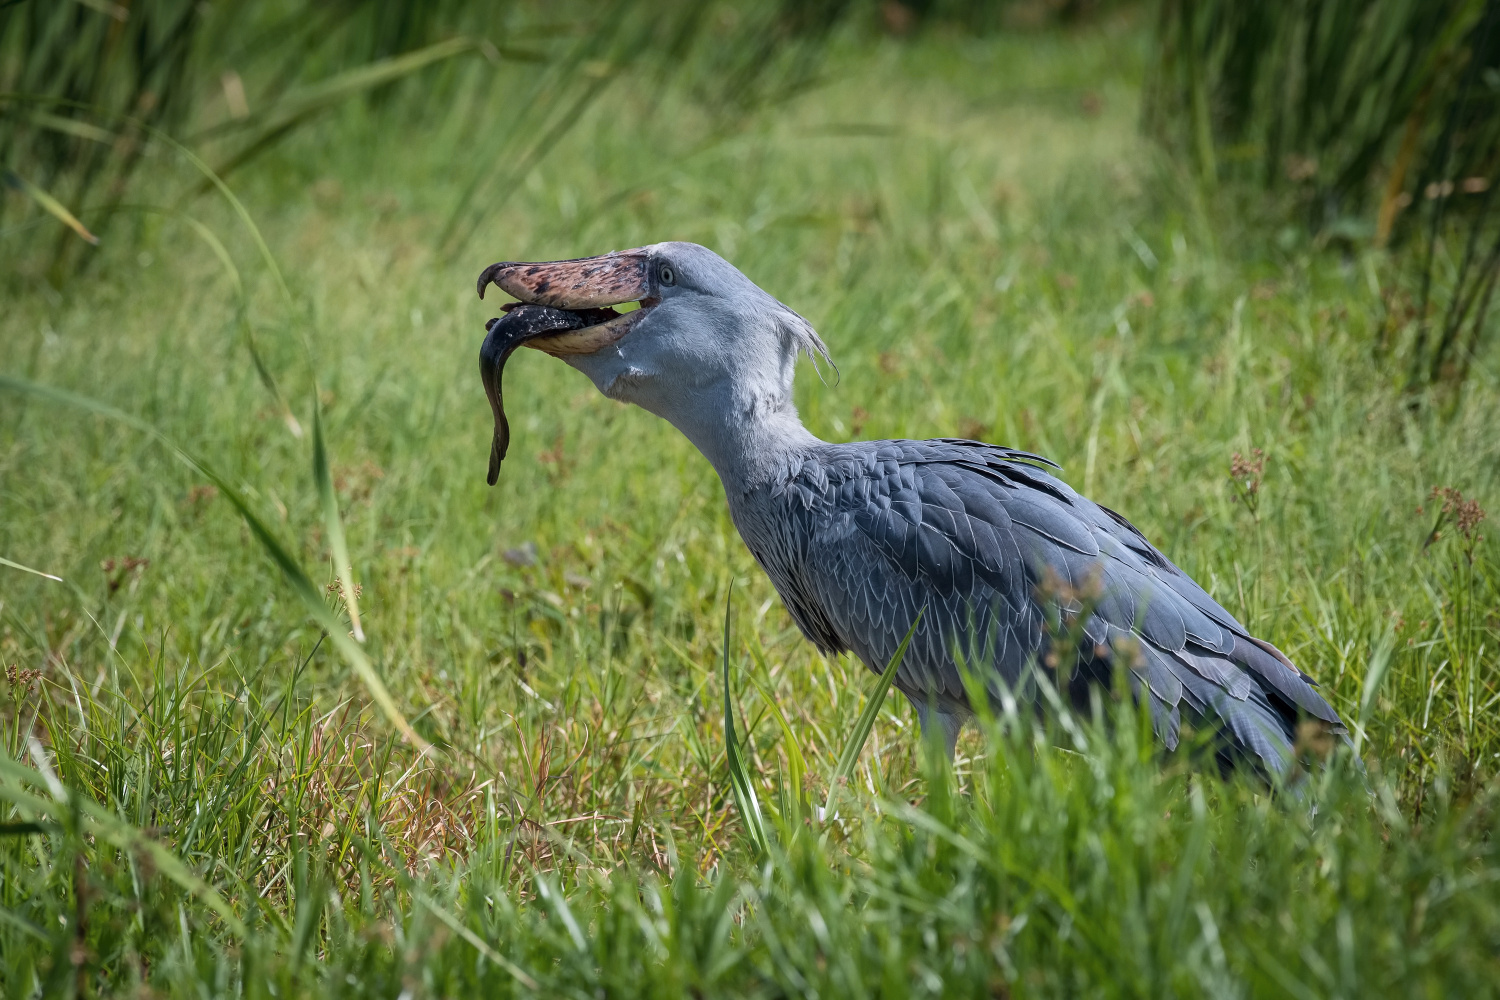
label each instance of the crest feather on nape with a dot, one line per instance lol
(805, 340)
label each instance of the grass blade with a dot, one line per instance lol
(302, 584)
(119, 12)
(342, 86)
(1380, 662)
(266, 378)
(866, 721)
(105, 825)
(73, 127)
(27, 569)
(212, 178)
(333, 523)
(796, 762)
(50, 205)
(216, 245)
(739, 778)
(22, 924)
(295, 109)
(475, 941)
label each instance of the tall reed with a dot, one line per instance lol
(1374, 123)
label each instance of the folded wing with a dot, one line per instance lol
(998, 551)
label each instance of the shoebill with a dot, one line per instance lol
(1002, 558)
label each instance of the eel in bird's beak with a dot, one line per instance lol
(564, 308)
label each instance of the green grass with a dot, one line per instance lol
(990, 249)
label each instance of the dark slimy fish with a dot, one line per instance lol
(521, 322)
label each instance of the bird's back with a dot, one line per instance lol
(1013, 569)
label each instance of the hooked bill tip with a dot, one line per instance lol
(488, 275)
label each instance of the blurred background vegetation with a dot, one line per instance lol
(1371, 124)
(1233, 264)
(1364, 124)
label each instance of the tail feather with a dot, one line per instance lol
(1251, 725)
(1277, 674)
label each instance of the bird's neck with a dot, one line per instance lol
(750, 439)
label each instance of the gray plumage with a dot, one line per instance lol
(862, 536)
(859, 538)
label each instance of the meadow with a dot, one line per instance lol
(203, 797)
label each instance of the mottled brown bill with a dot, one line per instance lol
(585, 283)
